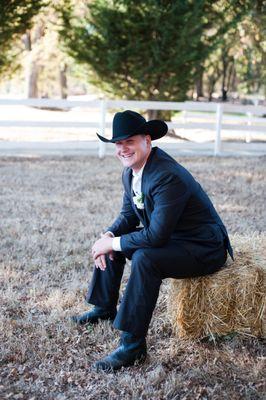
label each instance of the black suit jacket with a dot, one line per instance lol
(176, 208)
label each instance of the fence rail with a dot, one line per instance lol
(214, 113)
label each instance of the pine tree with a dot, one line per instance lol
(146, 50)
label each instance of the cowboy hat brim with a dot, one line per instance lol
(155, 128)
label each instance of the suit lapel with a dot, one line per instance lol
(141, 214)
(146, 169)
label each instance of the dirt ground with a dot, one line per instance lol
(51, 211)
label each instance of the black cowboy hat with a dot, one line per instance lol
(129, 123)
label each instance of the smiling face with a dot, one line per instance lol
(134, 151)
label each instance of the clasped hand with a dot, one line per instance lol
(100, 248)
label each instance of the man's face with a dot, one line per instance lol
(134, 151)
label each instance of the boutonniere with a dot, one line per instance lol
(139, 201)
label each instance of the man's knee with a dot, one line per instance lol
(140, 255)
(142, 261)
(143, 266)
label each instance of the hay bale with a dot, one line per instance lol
(231, 300)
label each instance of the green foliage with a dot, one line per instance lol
(145, 50)
(154, 49)
(15, 18)
(238, 63)
(252, 59)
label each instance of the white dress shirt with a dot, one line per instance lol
(136, 187)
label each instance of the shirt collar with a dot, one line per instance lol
(138, 174)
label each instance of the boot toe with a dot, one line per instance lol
(119, 359)
(104, 365)
(86, 318)
(93, 317)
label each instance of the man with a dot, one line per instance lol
(181, 236)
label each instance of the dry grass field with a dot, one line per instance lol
(51, 211)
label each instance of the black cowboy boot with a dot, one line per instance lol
(93, 316)
(131, 349)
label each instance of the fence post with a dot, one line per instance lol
(219, 116)
(102, 145)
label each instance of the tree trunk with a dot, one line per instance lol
(229, 75)
(224, 88)
(199, 83)
(63, 81)
(233, 85)
(164, 115)
(210, 92)
(211, 83)
(26, 39)
(210, 89)
(33, 67)
(224, 94)
(152, 114)
(32, 78)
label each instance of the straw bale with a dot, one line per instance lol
(231, 300)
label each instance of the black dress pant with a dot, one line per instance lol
(149, 266)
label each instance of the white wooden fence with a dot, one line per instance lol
(220, 116)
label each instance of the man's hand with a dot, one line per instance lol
(101, 247)
(100, 262)
(109, 234)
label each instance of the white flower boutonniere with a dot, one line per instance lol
(139, 201)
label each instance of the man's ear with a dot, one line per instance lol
(148, 139)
